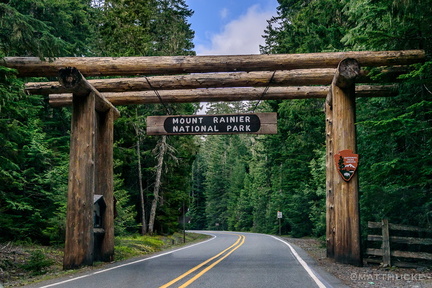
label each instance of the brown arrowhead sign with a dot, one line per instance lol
(346, 164)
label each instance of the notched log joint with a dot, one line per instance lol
(69, 77)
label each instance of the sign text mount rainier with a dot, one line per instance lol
(258, 123)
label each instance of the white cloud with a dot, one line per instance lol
(224, 13)
(240, 36)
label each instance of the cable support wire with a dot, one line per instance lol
(158, 95)
(264, 92)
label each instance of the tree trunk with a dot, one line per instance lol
(141, 190)
(162, 148)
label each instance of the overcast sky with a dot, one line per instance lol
(230, 26)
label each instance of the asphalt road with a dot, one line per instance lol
(228, 259)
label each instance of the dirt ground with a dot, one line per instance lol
(368, 276)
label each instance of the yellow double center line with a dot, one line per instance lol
(217, 259)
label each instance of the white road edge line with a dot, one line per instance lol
(303, 263)
(131, 263)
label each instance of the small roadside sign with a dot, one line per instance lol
(279, 214)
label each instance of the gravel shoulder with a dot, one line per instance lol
(367, 276)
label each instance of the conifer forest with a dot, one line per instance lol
(222, 182)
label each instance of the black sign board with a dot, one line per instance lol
(261, 123)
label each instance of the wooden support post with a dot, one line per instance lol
(81, 182)
(346, 247)
(330, 225)
(90, 172)
(104, 182)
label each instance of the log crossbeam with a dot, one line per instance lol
(157, 65)
(225, 94)
(298, 77)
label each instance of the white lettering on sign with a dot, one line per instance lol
(194, 129)
(212, 124)
(231, 119)
(238, 128)
(188, 120)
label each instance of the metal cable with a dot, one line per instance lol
(264, 92)
(158, 95)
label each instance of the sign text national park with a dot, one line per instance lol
(259, 123)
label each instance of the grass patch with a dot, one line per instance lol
(136, 245)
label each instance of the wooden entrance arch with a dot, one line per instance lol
(331, 76)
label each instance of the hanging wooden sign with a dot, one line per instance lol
(258, 123)
(346, 164)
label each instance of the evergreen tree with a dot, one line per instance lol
(147, 28)
(35, 137)
(198, 202)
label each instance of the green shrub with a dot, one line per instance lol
(37, 262)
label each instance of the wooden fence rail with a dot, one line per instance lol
(387, 240)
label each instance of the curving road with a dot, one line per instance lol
(228, 259)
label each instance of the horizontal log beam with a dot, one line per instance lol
(98, 66)
(403, 254)
(298, 77)
(226, 94)
(376, 225)
(404, 240)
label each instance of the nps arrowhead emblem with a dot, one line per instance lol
(346, 164)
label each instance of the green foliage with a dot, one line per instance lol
(34, 138)
(285, 172)
(249, 178)
(388, 25)
(45, 28)
(152, 27)
(135, 245)
(305, 27)
(196, 212)
(37, 263)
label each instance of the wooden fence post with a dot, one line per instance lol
(347, 247)
(386, 243)
(81, 182)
